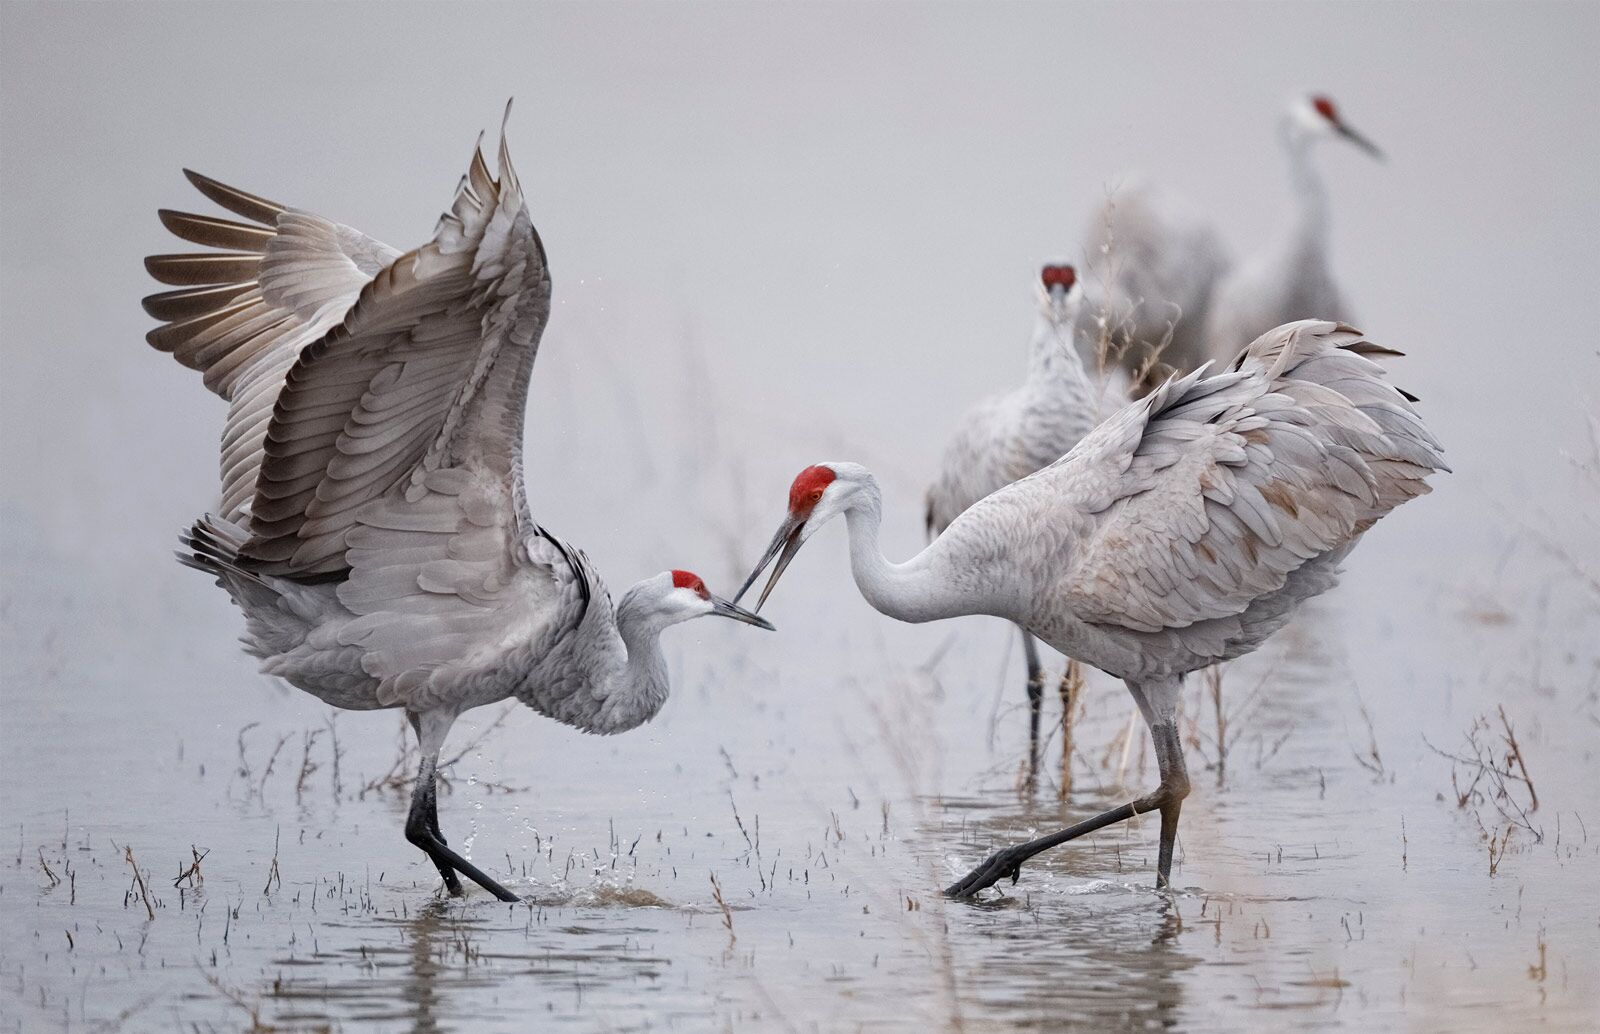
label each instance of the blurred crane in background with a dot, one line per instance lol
(1291, 277)
(1151, 263)
(1009, 436)
(1163, 293)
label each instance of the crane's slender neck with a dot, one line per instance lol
(1309, 230)
(633, 686)
(913, 591)
(1053, 361)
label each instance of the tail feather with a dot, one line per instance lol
(1330, 369)
(211, 544)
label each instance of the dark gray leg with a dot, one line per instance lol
(1174, 788)
(422, 827)
(428, 797)
(422, 823)
(1167, 799)
(1030, 653)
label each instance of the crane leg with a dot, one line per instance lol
(1174, 788)
(430, 805)
(1167, 799)
(1030, 653)
(425, 814)
(422, 822)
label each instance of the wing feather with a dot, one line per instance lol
(1206, 496)
(244, 312)
(434, 345)
(375, 439)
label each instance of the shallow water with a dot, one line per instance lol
(1313, 890)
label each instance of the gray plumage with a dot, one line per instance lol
(373, 525)
(1009, 436)
(1183, 530)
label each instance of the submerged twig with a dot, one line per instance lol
(55, 881)
(273, 875)
(722, 903)
(193, 873)
(1493, 779)
(138, 877)
(1071, 691)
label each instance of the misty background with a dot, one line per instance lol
(810, 230)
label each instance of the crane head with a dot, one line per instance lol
(1058, 276)
(808, 488)
(1058, 287)
(1316, 116)
(676, 595)
(818, 494)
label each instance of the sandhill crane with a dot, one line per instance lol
(1150, 265)
(1291, 276)
(372, 524)
(1009, 436)
(1182, 531)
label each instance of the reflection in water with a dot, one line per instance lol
(431, 970)
(426, 934)
(1106, 961)
(1100, 947)
(1095, 944)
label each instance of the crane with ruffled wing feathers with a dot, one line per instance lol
(373, 522)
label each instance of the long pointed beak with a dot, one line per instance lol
(1360, 141)
(723, 609)
(785, 544)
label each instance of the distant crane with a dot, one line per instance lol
(373, 525)
(1009, 436)
(1182, 531)
(1157, 272)
(1292, 275)
(1150, 266)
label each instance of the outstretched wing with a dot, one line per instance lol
(242, 313)
(393, 455)
(1204, 497)
(427, 371)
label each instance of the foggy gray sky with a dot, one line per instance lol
(837, 208)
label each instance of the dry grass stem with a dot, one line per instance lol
(1371, 760)
(1497, 851)
(308, 739)
(273, 874)
(193, 873)
(1515, 756)
(1499, 774)
(1071, 690)
(138, 878)
(722, 903)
